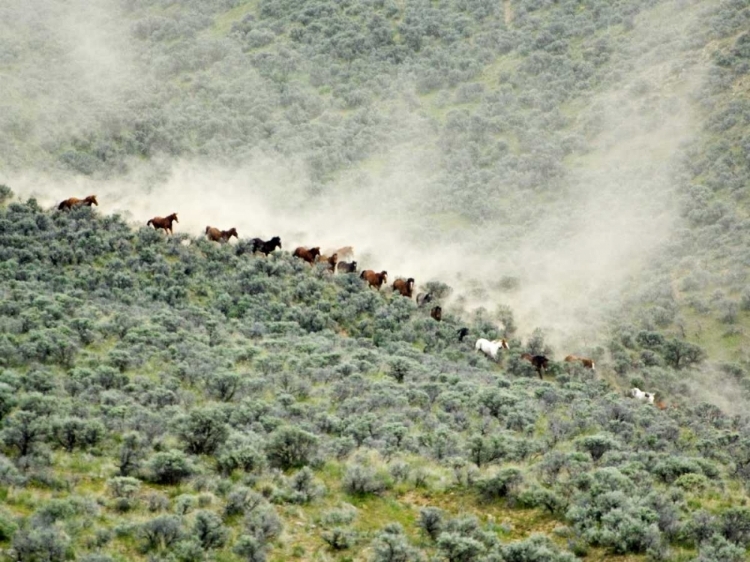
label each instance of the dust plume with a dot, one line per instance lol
(573, 252)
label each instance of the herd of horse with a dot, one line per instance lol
(374, 279)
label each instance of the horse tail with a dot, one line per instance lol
(61, 206)
(150, 222)
(362, 275)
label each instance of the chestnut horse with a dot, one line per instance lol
(586, 362)
(216, 235)
(374, 279)
(540, 362)
(436, 313)
(74, 202)
(164, 223)
(330, 260)
(404, 287)
(307, 255)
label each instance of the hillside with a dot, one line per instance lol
(569, 174)
(167, 398)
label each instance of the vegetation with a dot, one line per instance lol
(166, 398)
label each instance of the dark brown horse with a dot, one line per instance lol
(374, 279)
(539, 362)
(406, 288)
(436, 313)
(585, 361)
(216, 235)
(347, 267)
(266, 247)
(74, 202)
(164, 223)
(307, 255)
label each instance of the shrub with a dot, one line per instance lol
(718, 549)
(240, 453)
(7, 527)
(537, 548)
(542, 497)
(734, 525)
(48, 544)
(169, 467)
(263, 524)
(362, 480)
(339, 538)
(241, 501)
(203, 431)
(457, 548)
(431, 521)
(597, 445)
(391, 545)
(208, 530)
(250, 549)
(291, 447)
(501, 484)
(161, 532)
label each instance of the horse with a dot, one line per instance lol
(423, 299)
(404, 287)
(586, 362)
(347, 267)
(74, 202)
(436, 313)
(264, 247)
(462, 333)
(491, 348)
(637, 393)
(539, 362)
(374, 279)
(343, 253)
(331, 261)
(307, 255)
(163, 222)
(216, 235)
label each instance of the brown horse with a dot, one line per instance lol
(332, 261)
(216, 235)
(74, 202)
(164, 223)
(374, 279)
(436, 313)
(539, 362)
(307, 255)
(585, 361)
(406, 288)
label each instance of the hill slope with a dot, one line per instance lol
(169, 398)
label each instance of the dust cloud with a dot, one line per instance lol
(573, 254)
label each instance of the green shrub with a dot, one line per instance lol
(160, 533)
(208, 530)
(501, 484)
(48, 544)
(597, 445)
(169, 467)
(363, 480)
(291, 447)
(203, 431)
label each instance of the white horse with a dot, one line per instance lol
(636, 392)
(490, 348)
